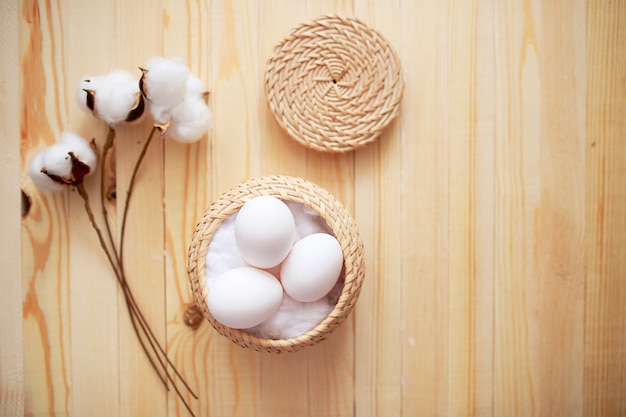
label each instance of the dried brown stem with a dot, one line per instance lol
(129, 193)
(115, 258)
(105, 152)
(80, 187)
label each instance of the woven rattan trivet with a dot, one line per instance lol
(334, 84)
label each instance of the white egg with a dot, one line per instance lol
(244, 297)
(312, 268)
(264, 231)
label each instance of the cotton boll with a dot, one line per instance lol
(81, 149)
(176, 99)
(41, 180)
(117, 94)
(113, 98)
(165, 81)
(190, 120)
(57, 160)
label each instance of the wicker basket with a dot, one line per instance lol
(334, 84)
(287, 189)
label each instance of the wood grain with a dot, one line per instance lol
(12, 391)
(493, 212)
(470, 94)
(45, 237)
(425, 176)
(539, 208)
(604, 390)
(378, 370)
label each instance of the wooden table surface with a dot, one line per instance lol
(493, 213)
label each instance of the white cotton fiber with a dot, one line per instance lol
(292, 319)
(160, 113)
(115, 95)
(190, 120)
(176, 99)
(81, 148)
(222, 254)
(57, 161)
(194, 87)
(165, 82)
(41, 180)
(307, 219)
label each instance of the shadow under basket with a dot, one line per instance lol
(296, 190)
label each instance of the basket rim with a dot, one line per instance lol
(350, 124)
(286, 188)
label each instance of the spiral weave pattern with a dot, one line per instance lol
(334, 84)
(288, 189)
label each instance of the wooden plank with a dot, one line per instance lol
(379, 195)
(425, 159)
(469, 120)
(560, 216)
(605, 315)
(517, 197)
(45, 231)
(279, 153)
(236, 82)
(539, 211)
(484, 195)
(11, 332)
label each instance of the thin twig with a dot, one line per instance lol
(131, 185)
(142, 321)
(133, 319)
(108, 145)
(135, 313)
(130, 301)
(151, 336)
(80, 187)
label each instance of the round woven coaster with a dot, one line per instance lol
(334, 84)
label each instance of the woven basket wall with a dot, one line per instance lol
(287, 189)
(334, 84)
